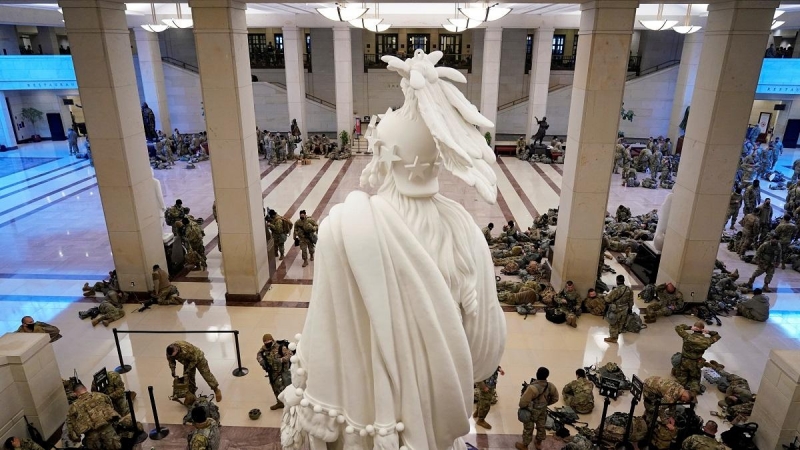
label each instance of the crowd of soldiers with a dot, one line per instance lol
(549, 154)
(278, 148)
(166, 150)
(188, 231)
(655, 159)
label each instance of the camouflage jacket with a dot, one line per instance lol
(539, 395)
(305, 229)
(669, 390)
(487, 234)
(280, 225)
(622, 297)
(194, 232)
(174, 214)
(786, 231)
(27, 444)
(42, 327)
(581, 392)
(695, 344)
(768, 253)
(751, 197)
(205, 436)
(116, 387)
(702, 442)
(667, 299)
(750, 224)
(91, 411)
(735, 201)
(273, 362)
(570, 301)
(189, 356)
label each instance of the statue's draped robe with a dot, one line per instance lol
(386, 340)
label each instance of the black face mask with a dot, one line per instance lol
(29, 326)
(269, 345)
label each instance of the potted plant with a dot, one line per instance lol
(344, 137)
(488, 137)
(32, 115)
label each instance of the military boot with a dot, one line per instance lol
(521, 446)
(766, 288)
(483, 423)
(84, 314)
(276, 406)
(305, 262)
(95, 321)
(538, 444)
(610, 339)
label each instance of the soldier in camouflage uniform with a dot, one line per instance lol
(619, 156)
(486, 392)
(705, 441)
(274, 359)
(734, 205)
(569, 302)
(752, 197)
(768, 257)
(280, 227)
(668, 300)
(750, 228)
(164, 292)
(108, 313)
(786, 231)
(764, 220)
(193, 360)
(695, 343)
(92, 415)
(116, 392)
(194, 237)
(487, 233)
(205, 435)
(578, 395)
(643, 160)
(31, 326)
(175, 214)
(739, 399)
(521, 151)
(620, 299)
(536, 398)
(305, 230)
(14, 442)
(665, 391)
(594, 304)
(516, 293)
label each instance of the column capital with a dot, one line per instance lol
(743, 4)
(609, 4)
(104, 4)
(545, 30)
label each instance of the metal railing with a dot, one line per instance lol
(181, 64)
(656, 68)
(454, 60)
(308, 96)
(273, 59)
(563, 62)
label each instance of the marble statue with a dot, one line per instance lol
(149, 120)
(403, 316)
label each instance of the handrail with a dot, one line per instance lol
(525, 99)
(656, 68)
(181, 64)
(308, 96)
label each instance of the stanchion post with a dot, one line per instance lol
(158, 433)
(138, 436)
(239, 371)
(123, 368)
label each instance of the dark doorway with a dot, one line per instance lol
(56, 127)
(419, 41)
(791, 134)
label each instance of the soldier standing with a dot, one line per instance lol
(752, 197)
(733, 206)
(30, 326)
(768, 256)
(620, 302)
(764, 220)
(194, 237)
(619, 156)
(578, 393)
(280, 227)
(193, 360)
(786, 231)
(274, 359)
(750, 227)
(536, 398)
(92, 415)
(205, 435)
(705, 441)
(21, 443)
(521, 147)
(305, 230)
(695, 343)
(668, 300)
(486, 392)
(175, 214)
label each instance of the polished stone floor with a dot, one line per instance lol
(54, 239)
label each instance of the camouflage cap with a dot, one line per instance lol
(266, 338)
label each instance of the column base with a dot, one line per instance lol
(242, 298)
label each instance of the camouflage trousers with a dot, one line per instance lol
(616, 328)
(744, 409)
(650, 397)
(731, 216)
(688, 373)
(200, 249)
(279, 382)
(104, 438)
(169, 296)
(767, 268)
(538, 421)
(785, 252)
(306, 248)
(519, 298)
(205, 372)
(657, 309)
(484, 402)
(280, 241)
(745, 243)
(662, 437)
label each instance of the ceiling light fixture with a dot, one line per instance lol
(178, 22)
(687, 28)
(459, 24)
(154, 27)
(485, 13)
(374, 24)
(342, 13)
(659, 24)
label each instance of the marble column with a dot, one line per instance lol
(730, 64)
(490, 76)
(684, 87)
(152, 70)
(540, 77)
(220, 33)
(600, 69)
(48, 40)
(294, 41)
(7, 136)
(101, 53)
(343, 64)
(777, 411)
